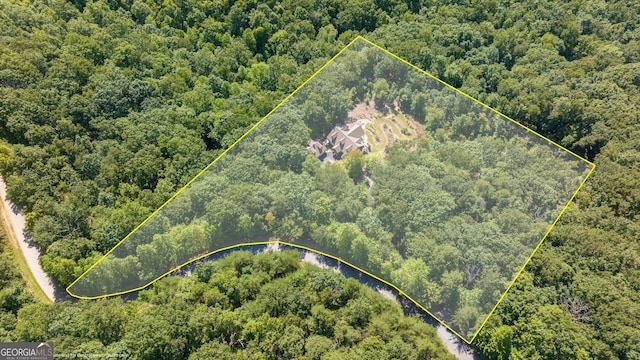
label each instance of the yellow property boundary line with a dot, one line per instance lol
(325, 254)
(197, 176)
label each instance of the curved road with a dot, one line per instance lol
(15, 218)
(14, 221)
(454, 344)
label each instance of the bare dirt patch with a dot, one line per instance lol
(364, 110)
(386, 128)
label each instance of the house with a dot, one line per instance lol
(341, 140)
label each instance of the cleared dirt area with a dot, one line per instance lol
(363, 110)
(385, 129)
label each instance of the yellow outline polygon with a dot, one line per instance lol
(468, 341)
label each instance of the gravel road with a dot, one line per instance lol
(453, 343)
(17, 220)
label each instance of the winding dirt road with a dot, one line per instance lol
(14, 223)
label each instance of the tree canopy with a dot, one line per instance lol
(108, 107)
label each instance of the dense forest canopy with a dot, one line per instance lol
(448, 217)
(264, 306)
(107, 108)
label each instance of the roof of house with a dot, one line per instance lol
(340, 141)
(347, 138)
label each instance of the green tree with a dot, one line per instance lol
(413, 276)
(33, 322)
(354, 162)
(316, 346)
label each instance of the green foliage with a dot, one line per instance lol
(106, 108)
(14, 295)
(440, 214)
(173, 321)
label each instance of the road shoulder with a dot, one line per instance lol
(25, 267)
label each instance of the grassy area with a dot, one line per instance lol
(6, 233)
(376, 134)
(375, 137)
(402, 119)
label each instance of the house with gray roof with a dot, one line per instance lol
(341, 140)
